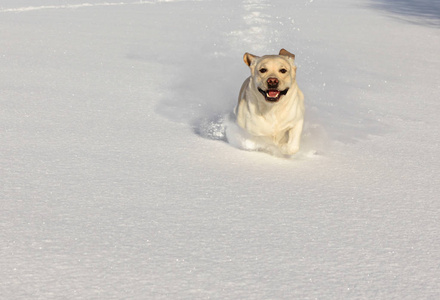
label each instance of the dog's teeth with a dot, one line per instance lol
(272, 94)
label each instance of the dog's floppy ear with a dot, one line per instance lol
(287, 53)
(249, 58)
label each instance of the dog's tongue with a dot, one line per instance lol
(273, 93)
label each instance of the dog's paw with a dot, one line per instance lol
(289, 149)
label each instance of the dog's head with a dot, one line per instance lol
(272, 75)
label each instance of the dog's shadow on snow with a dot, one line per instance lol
(201, 92)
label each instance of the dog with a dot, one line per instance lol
(270, 107)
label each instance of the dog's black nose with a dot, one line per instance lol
(272, 82)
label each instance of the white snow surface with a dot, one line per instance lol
(117, 182)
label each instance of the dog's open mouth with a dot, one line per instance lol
(273, 95)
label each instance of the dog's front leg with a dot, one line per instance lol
(293, 140)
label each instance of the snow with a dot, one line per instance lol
(117, 183)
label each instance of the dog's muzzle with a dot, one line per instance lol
(273, 95)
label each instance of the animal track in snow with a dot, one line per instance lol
(257, 35)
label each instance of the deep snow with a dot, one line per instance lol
(116, 182)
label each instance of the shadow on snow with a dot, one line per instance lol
(423, 12)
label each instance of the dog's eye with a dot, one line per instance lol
(263, 70)
(283, 71)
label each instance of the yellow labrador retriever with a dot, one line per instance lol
(270, 107)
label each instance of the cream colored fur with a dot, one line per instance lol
(273, 123)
